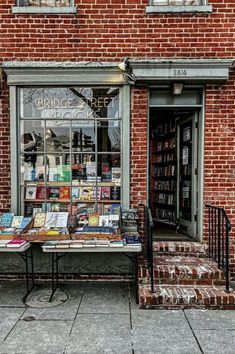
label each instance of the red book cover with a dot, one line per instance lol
(42, 192)
(64, 193)
(105, 193)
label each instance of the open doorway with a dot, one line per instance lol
(173, 182)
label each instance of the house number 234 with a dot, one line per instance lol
(180, 72)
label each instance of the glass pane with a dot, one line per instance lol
(58, 168)
(178, 2)
(83, 168)
(57, 136)
(32, 136)
(70, 103)
(57, 3)
(109, 136)
(32, 168)
(83, 136)
(109, 168)
(185, 197)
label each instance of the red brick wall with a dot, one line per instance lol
(109, 30)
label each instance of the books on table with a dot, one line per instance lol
(56, 219)
(16, 243)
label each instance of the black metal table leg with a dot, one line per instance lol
(26, 257)
(54, 273)
(136, 280)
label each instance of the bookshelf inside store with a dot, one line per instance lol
(70, 144)
(163, 168)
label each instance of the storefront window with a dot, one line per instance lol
(70, 149)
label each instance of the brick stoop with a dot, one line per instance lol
(184, 277)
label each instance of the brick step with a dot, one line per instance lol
(179, 297)
(182, 270)
(180, 248)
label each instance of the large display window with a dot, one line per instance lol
(70, 149)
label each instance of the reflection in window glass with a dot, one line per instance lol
(179, 2)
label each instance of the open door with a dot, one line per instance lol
(187, 184)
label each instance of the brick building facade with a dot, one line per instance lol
(166, 43)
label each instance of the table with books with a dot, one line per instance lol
(11, 227)
(87, 239)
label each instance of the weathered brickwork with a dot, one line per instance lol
(109, 30)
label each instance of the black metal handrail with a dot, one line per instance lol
(219, 227)
(148, 237)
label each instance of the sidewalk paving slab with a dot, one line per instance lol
(211, 319)
(101, 333)
(12, 293)
(8, 318)
(37, 337)
(105, 297)
(216, 341)
(65, 311)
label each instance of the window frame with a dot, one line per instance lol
(154, 8)
(44, 9)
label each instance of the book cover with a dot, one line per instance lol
(107, 209)
(93, 220)
(105, 193)
(55, 207)
(114, 221)
(6, 219)
(86, 193)
(64, 173)
(53, 174)
(16, 243)
(25, 222)
(75, 192)
(30, 193)
(39, 220)
(116, 175)
(103, 220)
(16, 221)
(56, 219)
(37, 210)
(42, 192)
(106, 172)
(64, 193)
(115, 209)
(115, 193)
(91, 170)
(54, 193)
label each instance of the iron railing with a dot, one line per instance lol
(148, 242)
(219, 227)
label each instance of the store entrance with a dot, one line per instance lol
(173, 189)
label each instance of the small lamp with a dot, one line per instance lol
(177, 88)
(124, 64)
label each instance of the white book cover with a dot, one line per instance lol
(104, 220)
(56, 219)
(30, 193)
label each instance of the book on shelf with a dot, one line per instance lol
(115, 193)
(56, 219)
(75, 192)
(114, 221)
(39, 220)
(86, 193)
(106, 172)
(91, 170)
(64, 173)
(116, 175)
(54, 193)
(105, 193)
(52, 174)
(42, 192)
(64, 193)
(37, 210)
(30, 193)
(53, 207)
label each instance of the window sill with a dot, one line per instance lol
(43, 10)
(178, 9)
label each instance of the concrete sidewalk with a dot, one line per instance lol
(102, 317)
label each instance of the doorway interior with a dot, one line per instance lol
(173, 171)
